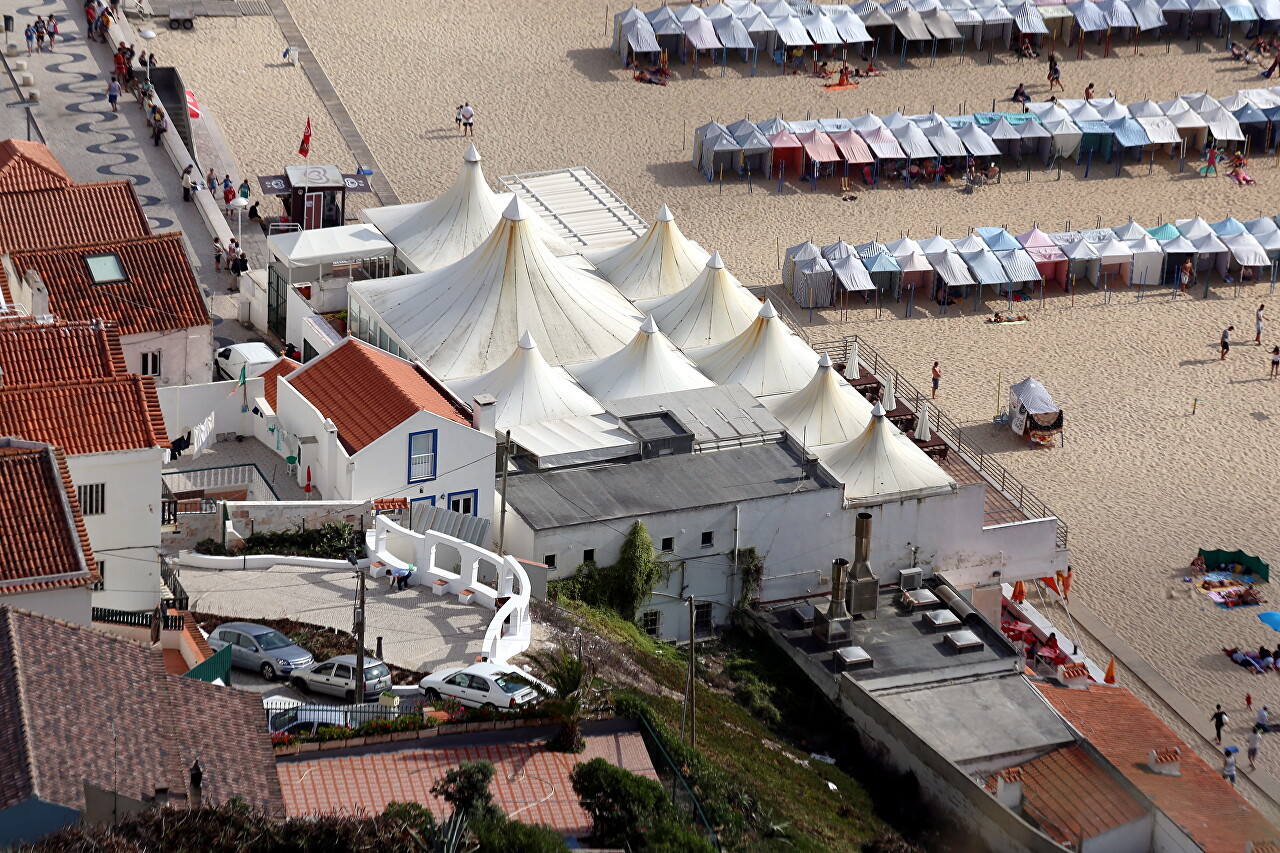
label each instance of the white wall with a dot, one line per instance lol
(1133, 837)
(185, 406)
(186, 355)
(126, 537)
(465, 461)
(304, 325)
(1171, 838)
(73, 605)
(253, 286)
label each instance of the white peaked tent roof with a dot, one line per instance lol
(903, 246)
(433, 234)
(657, 263)
(826, 411)
(767, 358)
(529, 390)
(883, 463)
(647, 365)
(1247, 251)
(464, 319)
(711, 310)
(1265, 231)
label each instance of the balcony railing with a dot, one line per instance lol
(177, 597)
(222, 479)
(138, 620)
(422, 466)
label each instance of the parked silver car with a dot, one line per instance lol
(337, 677)
(260, 648)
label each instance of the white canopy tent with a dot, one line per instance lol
(826, 411)
(328, 245)
(464, 319)
(767, 358)
(882, 464)
(657, 263)
(711, 310)
(529, 389)
(647, 365)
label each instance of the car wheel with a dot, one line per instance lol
(301, 685)
(432, 694)
(350, 696)
(489, 706)
(268, 671)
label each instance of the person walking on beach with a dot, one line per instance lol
(113, 95)
(1226, 342)
(1055, 74)
(937, 378)
(1275, 363)
(1186, 274)
(468, 114)
(244, 189)
(1229, 766)
(1255, 741)
(457, 118)
(39, 25)
(51, 27)
(211, 181)
(1260, 719)
(1259, 319)
(1219, 719)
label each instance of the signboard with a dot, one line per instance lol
(279, 184)
(193, 106)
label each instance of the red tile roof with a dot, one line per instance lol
(28, 167)
(1069, 796)
(161, 293)
(1200, 801)
(84, 213)
(541, 792)
(34, 353)
(283, 367)
(43, 543)
(366, 392)
(91, 416)
(125, 707)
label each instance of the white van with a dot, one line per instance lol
(255, 358)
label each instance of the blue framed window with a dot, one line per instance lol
(422, 456)
(465, 502)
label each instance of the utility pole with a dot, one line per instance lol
(358, 626)
(693, 675)
(502, 519)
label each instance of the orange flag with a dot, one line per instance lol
(1110, 677)
(1066, 583)
(1019, 592)
(1051, 583)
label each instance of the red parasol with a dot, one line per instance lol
(1110, 677)
(1019, 592)
(307, 487)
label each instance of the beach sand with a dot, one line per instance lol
(1141, 482)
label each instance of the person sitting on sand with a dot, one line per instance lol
(1028, 52)
(872, 71)
(1197, 565)
(1238, 52)
(1241, 177)
(1020, 95)
(822, 71)
(992, 172)
(1239, 658)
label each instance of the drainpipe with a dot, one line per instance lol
(733, 577)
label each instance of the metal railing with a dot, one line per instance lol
(247, 475)
(177, 597)
(171, 509)
(995, 474)
(422, 466)
(675, 783)
(136, 619)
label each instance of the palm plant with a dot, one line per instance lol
(568, 676)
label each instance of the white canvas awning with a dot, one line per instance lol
(978, 143)
(711, 310)
(657, 263)
(329, 245)
(825, 411)
(767, 358)
(649, 364)
(883, 464)
(1160, 129)
(1247, 251)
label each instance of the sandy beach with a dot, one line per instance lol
(1142, 482)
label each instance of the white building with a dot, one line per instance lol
(367, 424)
(67, 384)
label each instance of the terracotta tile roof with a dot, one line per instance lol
(34, 353)
(388, 504)
(84, 213)
(91, 416)
(366, 392)
(1200, 801)
(29, 166)
(1070, 797)
(161, 293)
(43, 543)
(125, 706)
(283, 367)
(542, 793)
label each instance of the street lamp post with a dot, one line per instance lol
(149, 35)
(240, 203)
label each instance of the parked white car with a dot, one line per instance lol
(483, 684)
(255, 358)
(337, 677)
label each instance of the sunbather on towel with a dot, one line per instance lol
(1241, 659)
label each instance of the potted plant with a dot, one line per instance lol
(388, 699)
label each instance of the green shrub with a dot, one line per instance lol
(671, 837)
(757, 697)
(413, 817)
(329, 541)
(621, 804)
(509, 836)
(327, 733)
(622, 587)
(466, 788)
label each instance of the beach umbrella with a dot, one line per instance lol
(922, 431)
(1271, 619)
(888, 399)
(1110, 677)
(1019, 592)
(307, 487)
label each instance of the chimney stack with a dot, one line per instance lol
(1009, 788)
(861, 570)
(839, 570)
(162, 797)
(39, 294)
(809, 467)
(484, 413)
(1166, 762)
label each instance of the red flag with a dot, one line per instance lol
(305, 148)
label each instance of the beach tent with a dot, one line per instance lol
(1214, 559)
(1118, 14)
(1147, 14)
(790, 32)
(1079, 251)
(1027, 18)
(1222, 124)
(1089, 16)
(851, 147)
(1032, 412)
(907, 21)
(1049, 110)
(967, 18)
(884, 269)
(1113, 264)
(1268, 10)
(821, 29)
(1210, 250)
(812, 282)
(1066, 137)
(1048, 257)
(997, 239)
(465, 319)
(805, 251)
(872, 14)
(983, 263)
(946, 263)
(1036, 137)
(882, 464)
(649, 364)
(1193, 129)
(1253, 122)
(904, 246)
(1147, 255)
(757, 153)
(913, 271)
(766, 358)
(698, 29)
(1158, 127)
(773, 125)
(433, 234)
(1267, 233)
(820, 151)
(1006, 137)
(665, 22)
(701, 134)
(788, 153)
(1018, 268)
(912, 140)
(1230, 225)
(852, 275)
(974, 139)
(851, 28)
(825, 411)
(1176, 250)
(659, 262)
(866, 121)
(834, 125)
(633, 32)
(1245, 253)
(711, 310)
(936, 19)
(529, 390)
(719, 152)
(1110, 109)
(940, 135)
(883, 144)
(732, 34)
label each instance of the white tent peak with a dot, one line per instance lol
(767, 311)
(649, 326)
(824, 362)
(877, 411)
(472, 155)
(529, 390)
(658, 262)
(765, 358)
(649, 364)
(710, 310)
(665, 215)
(715, 262)
(517, 210)
(882, 463)
(527, 341)
(824, 412)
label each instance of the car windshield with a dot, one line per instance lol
(283, 719)
(378, 670)
(272, 640)
(511, 683)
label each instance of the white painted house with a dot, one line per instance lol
(370, 425)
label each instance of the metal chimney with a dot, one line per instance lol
(862, 587)
(862, 547)
(839, 571)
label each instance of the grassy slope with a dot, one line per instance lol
(790, 786)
